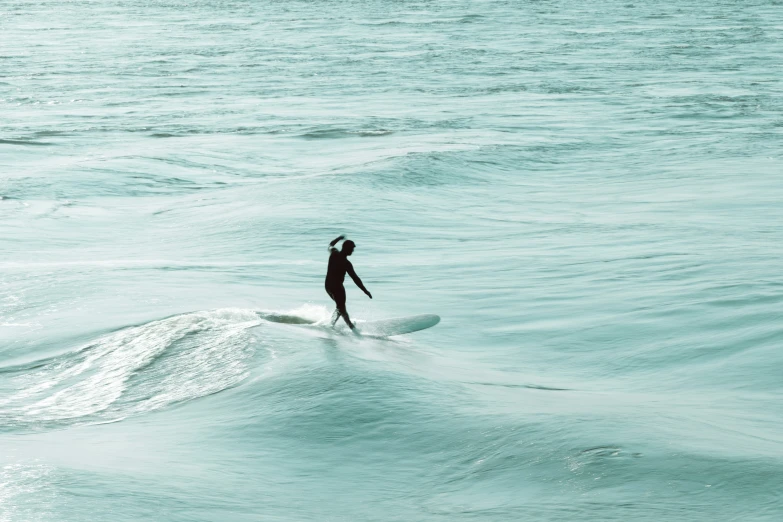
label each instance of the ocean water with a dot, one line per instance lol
(588, 194)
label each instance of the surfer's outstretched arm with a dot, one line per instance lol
(334, 242)
(352, 273)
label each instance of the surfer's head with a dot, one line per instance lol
(348, 247)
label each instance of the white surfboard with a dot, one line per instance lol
(398, 325)
(382, 328)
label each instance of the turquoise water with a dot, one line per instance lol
(587, 193)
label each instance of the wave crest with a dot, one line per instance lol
(133, 370)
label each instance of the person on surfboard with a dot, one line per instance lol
(335, 275)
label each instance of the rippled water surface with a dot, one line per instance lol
(587, 193)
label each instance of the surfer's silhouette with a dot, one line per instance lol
(335, 275)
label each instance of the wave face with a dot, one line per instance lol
(587, 193)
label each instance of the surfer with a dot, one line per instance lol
(335, 275)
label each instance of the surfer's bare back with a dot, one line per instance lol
(335, 275)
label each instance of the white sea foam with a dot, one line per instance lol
(139, 368)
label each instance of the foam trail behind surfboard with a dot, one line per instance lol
(305, 314)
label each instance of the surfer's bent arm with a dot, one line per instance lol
(355, 277)
(334, 242)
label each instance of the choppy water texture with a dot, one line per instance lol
(588, 193)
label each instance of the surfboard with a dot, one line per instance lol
(398, 325)
(382, 328)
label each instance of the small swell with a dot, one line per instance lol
(321, 134)
(528, 386)
(25, 142)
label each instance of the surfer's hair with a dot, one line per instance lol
(348, 244)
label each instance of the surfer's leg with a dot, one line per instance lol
(335, 316)
(337, 293)
(339, 298)
(335, 297)
(347, 319)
